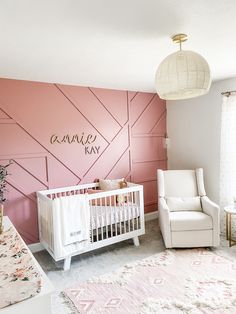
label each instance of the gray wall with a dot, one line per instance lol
(194, 128)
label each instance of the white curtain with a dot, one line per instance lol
(228, 154)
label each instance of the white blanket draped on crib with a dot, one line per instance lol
(74, 214)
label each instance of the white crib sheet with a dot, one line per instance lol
(102, 216)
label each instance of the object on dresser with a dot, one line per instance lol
(113, 216)
(3, 174)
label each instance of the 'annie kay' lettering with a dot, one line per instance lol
(91, 150)
(76, 138)
(83, 139)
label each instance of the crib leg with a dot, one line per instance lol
(136, 241)
(67, 262)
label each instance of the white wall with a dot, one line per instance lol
(194, 130)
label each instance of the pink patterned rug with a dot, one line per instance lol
(187, 281)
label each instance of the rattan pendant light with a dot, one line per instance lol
(183, 74)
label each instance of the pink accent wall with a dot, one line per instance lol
(129, 129)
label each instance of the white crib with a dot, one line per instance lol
(110, 221)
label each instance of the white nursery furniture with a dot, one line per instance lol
(187, 217)
(38, 304)
(101, 217)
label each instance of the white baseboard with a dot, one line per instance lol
(37, 247)
(151, 216)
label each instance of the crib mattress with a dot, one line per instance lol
(102, 216)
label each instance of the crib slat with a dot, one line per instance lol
(96, 214)
(110, 216)
(123, 211)
(132, 208)
(91, 220)
(101, 218)
(106, 218)
(136, 212)
(115, 218)
(139, 214)
(128, 208)
(120, 220)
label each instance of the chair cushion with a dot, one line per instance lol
(190, 220)
(178, 183)
(184, 203)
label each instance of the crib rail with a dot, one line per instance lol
(114, 213)
(73, 190)
(81, 189)
(114, 216)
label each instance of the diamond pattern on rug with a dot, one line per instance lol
(196, 263)
(86, 305)
(113, 303)
(77, 292)
(190, 281)
(217, 260)
(158, 281)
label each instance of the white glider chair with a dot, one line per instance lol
(187, 217)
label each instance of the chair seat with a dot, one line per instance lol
(190, 220)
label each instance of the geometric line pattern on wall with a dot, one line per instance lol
(133, 95)
(62, 89)
(127, 127)
(3, 115)
(103, 104)
(115, 102)
(36, 167)
(148, 153)
(28, 137)
(138, 105)
(160, 124)
(150, 116)
(87, 104)
(22, 211)
(108, 159)
(142, 113)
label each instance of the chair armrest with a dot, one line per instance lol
(164, 222)
(213, 210)
(209, 207)
(163, 205)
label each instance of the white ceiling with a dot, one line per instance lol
(114, 44)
